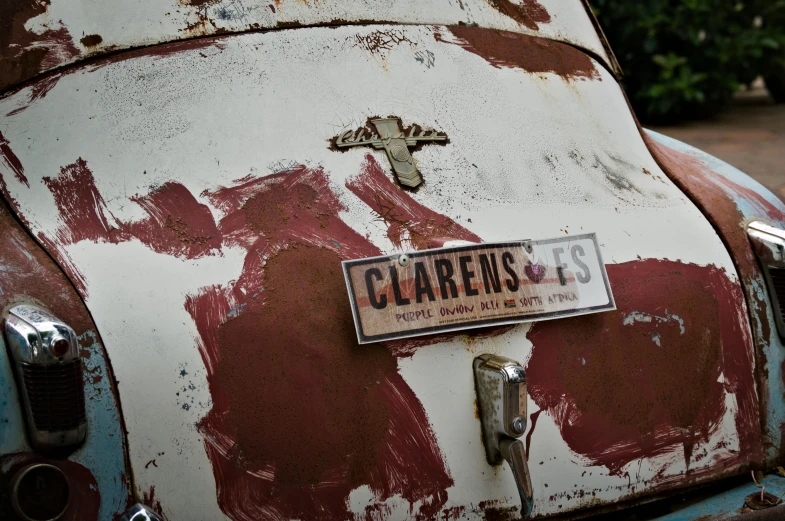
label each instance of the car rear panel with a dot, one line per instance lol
(195, 195)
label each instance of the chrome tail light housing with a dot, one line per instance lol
(45, 355)
(768, 243)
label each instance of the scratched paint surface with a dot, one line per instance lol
(27, 274)
(37, 36)
(733, 199)
(206, 210)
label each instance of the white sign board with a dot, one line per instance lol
(450, 289)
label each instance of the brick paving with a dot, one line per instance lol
(749, 135)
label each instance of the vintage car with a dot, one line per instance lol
(226, 287)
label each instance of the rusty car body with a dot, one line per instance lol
(180, 184)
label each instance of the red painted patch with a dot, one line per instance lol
(40, 89)
(526, 12)
(282, 359)
(617, 396)
(149, 500)
(12, 161)
(529, 53)
(409, 223)
(82, 208)
(533, 417)
(84, 497)
(177, 225)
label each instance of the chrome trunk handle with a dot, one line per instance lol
(514, 453)
(500, 384)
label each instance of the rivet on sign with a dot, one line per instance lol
(528, 247)
(404, 260)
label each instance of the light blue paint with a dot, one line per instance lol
(727, 504)
(773, 348)
(103, 450)
(12, 434)
(236, 310)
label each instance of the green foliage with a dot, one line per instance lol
(684, 59)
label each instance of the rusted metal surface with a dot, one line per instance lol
(730, 199)
(98, 468)
(205, 218)
(41, 35)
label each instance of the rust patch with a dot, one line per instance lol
(85, 498)
(410, 225)
(23, 53)
(201, 26)
(635, 382)
(281, 355)
(501, 514)
(91, 40)
(527, 13)
(529, 53)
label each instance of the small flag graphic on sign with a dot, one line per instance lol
(509, 303)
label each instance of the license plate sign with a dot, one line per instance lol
(463, 287)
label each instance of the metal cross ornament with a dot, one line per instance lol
(391, 138)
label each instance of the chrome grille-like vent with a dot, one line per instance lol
(56, 395)
(45, 354)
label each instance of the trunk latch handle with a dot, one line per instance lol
(501, 397)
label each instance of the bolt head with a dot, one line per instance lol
(404, 260)
(518, 425)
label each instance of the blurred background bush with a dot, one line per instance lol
(684, 59)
